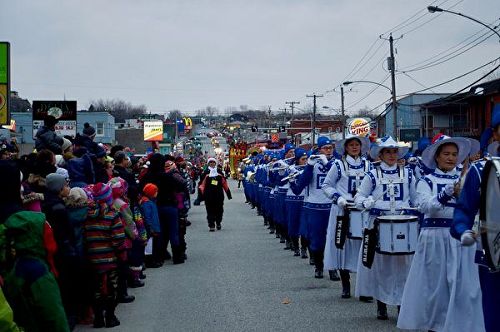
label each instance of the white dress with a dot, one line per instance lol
(392, 188)
(342, 180)
(442, 292)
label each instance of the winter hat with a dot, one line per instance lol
(88, 130)
(288, 147)
(78, 194)
(299, 152)
(66, 144)
(102, 193)
(63, 172)
(150, 190)
(119, 186)
(55, 182)
(323, 140)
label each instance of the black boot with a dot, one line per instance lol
(303, 253)
(366, 299)
(111, 320)
(98, 309)
(177, 255)
(346, 284)
(312, 259)
(382, 311)
(333, 275)
(318, 263)
(318, 274)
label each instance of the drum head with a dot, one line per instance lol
(396, 218)
(490, 218)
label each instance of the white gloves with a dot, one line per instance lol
(467, 238)
(292, 180)
(368, 203)
(341, 202)
(449, 189)
(312, 161)
(323, 159)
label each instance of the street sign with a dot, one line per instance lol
(4, 83)
(409, 135)
(275, 137)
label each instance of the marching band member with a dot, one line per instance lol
(385, 189)
(442, 290)
(281, 189)
(461, 229)
(294, 204)
(316, 205)
(340, 185)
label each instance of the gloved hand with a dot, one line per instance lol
(229, 196)
(368, 203)
(449, 189)
(468, 238)
(292, 180)
(312, 161)
(341, 202)
(323, 159)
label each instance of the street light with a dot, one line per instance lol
(435, 9)
(394, 102)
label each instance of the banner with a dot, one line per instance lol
(4, 83)
(63, 110)
(153, 131)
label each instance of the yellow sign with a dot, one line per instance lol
(359, 127)
(3, 104)
(153, 131)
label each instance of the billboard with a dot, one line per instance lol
(63, 110)
(153, 131)
(4, 83)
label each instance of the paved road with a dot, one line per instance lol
(236, 280)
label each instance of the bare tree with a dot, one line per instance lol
(174, 115)
(364, 112)
(120, 109)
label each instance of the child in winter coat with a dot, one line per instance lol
(104, 238)
(136, 258)
(151, 220)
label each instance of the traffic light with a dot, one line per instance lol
(282, 129)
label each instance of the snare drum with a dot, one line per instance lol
(397, 234)
(357, 222)
(489, 222)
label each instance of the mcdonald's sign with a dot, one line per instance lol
(188, 123)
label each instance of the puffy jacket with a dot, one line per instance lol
(81, 170)
(46, 138)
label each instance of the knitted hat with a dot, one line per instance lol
(119, 186)
(66, 144)
(323, 140)
(102, 193)
(150, 190)
(88, 130)
(55, 182)
(78, 194)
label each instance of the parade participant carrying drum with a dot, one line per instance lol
(386, 191)
(345, 224)
(294, 203)
(483, 178)
(316, 204)
(442, 277)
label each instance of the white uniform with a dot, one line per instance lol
(344, 177)
(392, 188)
(442, 292)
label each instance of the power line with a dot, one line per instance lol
(414, 80)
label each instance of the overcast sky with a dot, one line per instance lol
(189, 54)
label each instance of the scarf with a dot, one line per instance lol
(213, 172)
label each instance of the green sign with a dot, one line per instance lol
(409, 135)
(4, 62)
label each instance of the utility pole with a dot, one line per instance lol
(391, 64)
(314, 96)
(284, 115)
(292, 105)
(342, 110)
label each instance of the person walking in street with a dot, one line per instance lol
(213, 187)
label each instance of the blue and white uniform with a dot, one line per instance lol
(294, 204)
(391, 188)
(344, 177)
(442, 291)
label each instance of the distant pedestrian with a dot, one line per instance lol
(213, 187)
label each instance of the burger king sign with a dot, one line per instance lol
(359, 127)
